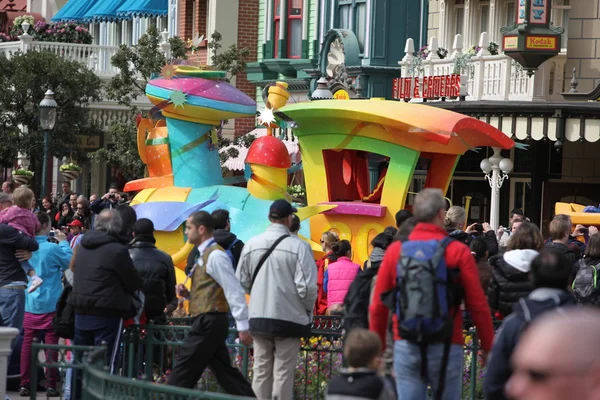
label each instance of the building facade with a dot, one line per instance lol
(561, 132)
(354, 43)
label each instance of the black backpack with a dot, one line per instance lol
(356, 302)
(64, 319)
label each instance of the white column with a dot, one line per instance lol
(223, 17)
(6, 337)
(172, 18)
(444, 37)
(494, 19)
(468, 24)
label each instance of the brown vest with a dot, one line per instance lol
(206, 294)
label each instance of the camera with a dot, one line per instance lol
(51, 234)
(479, 228)
(112, 195)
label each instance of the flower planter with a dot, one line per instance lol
(70, 175)
(21, 179)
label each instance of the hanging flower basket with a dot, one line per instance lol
(70, 171)
(22, 176)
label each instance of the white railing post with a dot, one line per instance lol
(479, 66)
(409, 51)
(165, 45)
(6, 337)
(457, 46)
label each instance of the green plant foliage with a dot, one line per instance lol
(24, 80)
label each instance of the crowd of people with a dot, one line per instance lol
(89, 270)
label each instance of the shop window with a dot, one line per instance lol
(354, 175)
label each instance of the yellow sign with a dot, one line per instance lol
(541, 42)
(511, 42)
(341, 95)
(88, 142)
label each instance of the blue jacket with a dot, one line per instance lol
(49, 262)
(525, 311)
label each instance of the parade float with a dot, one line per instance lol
(338, 139)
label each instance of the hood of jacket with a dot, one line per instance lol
(520, 259)
(224, 238)
(377, 254)
(541, 300)
(95, 239)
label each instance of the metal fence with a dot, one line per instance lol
(148, 353)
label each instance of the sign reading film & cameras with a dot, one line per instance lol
(532, 40)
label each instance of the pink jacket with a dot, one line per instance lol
(21, 219)
(338, 277)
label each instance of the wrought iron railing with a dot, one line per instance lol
(148, 353)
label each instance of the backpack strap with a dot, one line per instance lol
(265, 256)
(232, 244)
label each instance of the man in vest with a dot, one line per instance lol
(215, 291)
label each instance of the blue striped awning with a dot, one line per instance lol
(74, 10)
(104, 10)
(144, 8)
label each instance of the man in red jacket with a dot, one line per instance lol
(430, 210)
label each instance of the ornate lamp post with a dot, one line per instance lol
(47, 108)
(494, 165)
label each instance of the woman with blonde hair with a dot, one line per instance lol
(328, 239)
(456, 225)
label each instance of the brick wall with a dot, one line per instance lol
(247, 37)
(184, 20)
(583, 47)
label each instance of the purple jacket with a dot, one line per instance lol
(338, 277)
(20, 219)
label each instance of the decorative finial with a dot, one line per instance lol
(574, 82)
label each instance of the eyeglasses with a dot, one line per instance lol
(80, 208)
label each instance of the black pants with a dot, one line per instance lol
(205, 346)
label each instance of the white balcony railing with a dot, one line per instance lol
(490, 77)
(95, 57)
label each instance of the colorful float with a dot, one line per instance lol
(339, 140)
(578, 214)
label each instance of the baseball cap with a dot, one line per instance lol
(280, 209)
(76, 223)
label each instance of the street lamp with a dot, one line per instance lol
(48, 108)
(494, 165)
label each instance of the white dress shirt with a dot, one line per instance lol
(221, 270)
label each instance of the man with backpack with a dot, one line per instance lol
(224, 238)
(424, 280)
(550, 272)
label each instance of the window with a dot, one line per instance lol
(484, 12)
(510, 17)
(559, 15)
(354, 175)
(459, 16)
(352, 15)
(294, 34)
(361, 25)
(276, 24)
